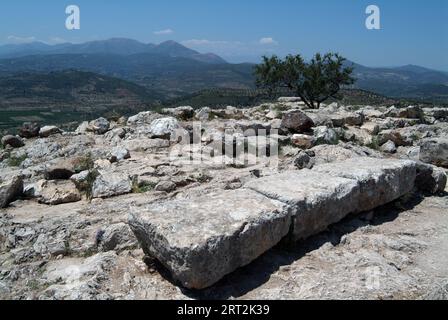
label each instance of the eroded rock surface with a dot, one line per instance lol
(222, 218)
(202, 239)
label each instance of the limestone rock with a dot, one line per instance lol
(430, 179)
(330, 153)
(29, 130)
(4, 155)
(231, 112)
(273, 114)
(10, 190)
(82, 128)
(142, 118)
(59, 192)
(325, 135)
(146, 144)
(389, 147)
(395, 136)
(316, 200)
(434, 151)
(116, 237)
(165, 186)
(199, 249)
(341, 119)
(182, 113)
(320, 119)
(330, 192)
(296, 122)
(115, 135)
(61, 170)
(250, 128)
(437, 113)
(164, 128)
(80, 179)
(371, 127)
(119, 154)
(303, 141)
(411, 112)
(203, 114)
(52, 244)
(289, 99)
(305, 159)
(111, 184)
(47, 131)
(13, 141)
(78, 279)
(99, 126)
(358, 135)
(381, 180)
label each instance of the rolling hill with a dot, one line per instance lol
(66, 96)
(71, 90)
(169, 75)
(173, 71)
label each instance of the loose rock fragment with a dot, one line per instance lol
(59, 192)
(111, 184)
(435, 151)
(47, 131)
(10, 190)
(13, 141)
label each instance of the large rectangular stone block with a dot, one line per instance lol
(380, 180)
(316, 200)
(328, 193)
(202, 239)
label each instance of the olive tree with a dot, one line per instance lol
(314, 81)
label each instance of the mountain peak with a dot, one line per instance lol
(414, 68)
(170, 43)
(115, 46)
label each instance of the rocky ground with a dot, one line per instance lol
(67, 198)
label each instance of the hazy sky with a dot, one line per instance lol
(412, 31)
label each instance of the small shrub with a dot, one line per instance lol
(113, 115)
(33, 284)
(414, 137)
(88, 186)
(16, 161)
(263, 108)
(202, 177)
(84, 163)
(374, 144)
(279, 108)
(142, 187)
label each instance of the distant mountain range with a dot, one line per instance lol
(408, 81)
(115, 46)
(174, 70)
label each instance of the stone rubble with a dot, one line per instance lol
(79, 207)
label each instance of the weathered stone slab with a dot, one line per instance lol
(201, 240)
(380, 180)
(316, 200)
(326, 194)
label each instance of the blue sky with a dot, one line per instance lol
(413, 31)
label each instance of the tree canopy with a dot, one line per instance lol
(314, 82)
